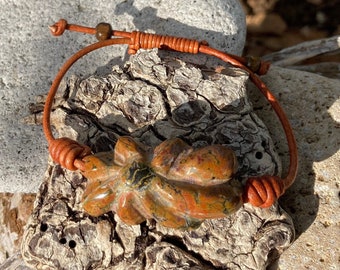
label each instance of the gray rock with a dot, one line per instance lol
(312, 104)
(30, 58)
(153, 100)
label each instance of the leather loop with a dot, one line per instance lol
(65, 152)
(263, 191)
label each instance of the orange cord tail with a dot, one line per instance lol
(260, 191)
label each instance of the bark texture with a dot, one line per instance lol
(152, 100)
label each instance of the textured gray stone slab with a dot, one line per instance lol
(30, 58)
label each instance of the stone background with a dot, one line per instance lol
(313, 201)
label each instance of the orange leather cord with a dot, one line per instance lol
(260, 191)
(65, 151)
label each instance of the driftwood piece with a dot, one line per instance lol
(302, 51)
(15, 262)
(152, 100)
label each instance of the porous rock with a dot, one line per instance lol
(152, 100)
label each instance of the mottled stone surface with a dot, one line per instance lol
(153, 100)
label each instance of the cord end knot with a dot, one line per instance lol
(263, 191)
(68, 153)
(58, 28)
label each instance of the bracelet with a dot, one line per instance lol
(174, 184)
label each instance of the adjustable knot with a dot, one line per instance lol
(263, 191)
(140, 40)
(68, 153)
(58, 28)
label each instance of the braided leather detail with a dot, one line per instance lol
(263, 191)
(140, 40)
(67, 153)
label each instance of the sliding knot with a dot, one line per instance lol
(58, 28)
(140, 40)
(263, 191)
(68, 153)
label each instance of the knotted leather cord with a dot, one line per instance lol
(260, 191)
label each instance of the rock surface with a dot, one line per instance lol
(31, 57)
(153, 100)
(313, 106)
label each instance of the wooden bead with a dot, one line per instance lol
(253, 62)
(103, 31)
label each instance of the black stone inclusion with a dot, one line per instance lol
(139, 175)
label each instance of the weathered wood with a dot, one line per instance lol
(152, 100)
(15, 210)
(15, 262)
(302, 51)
